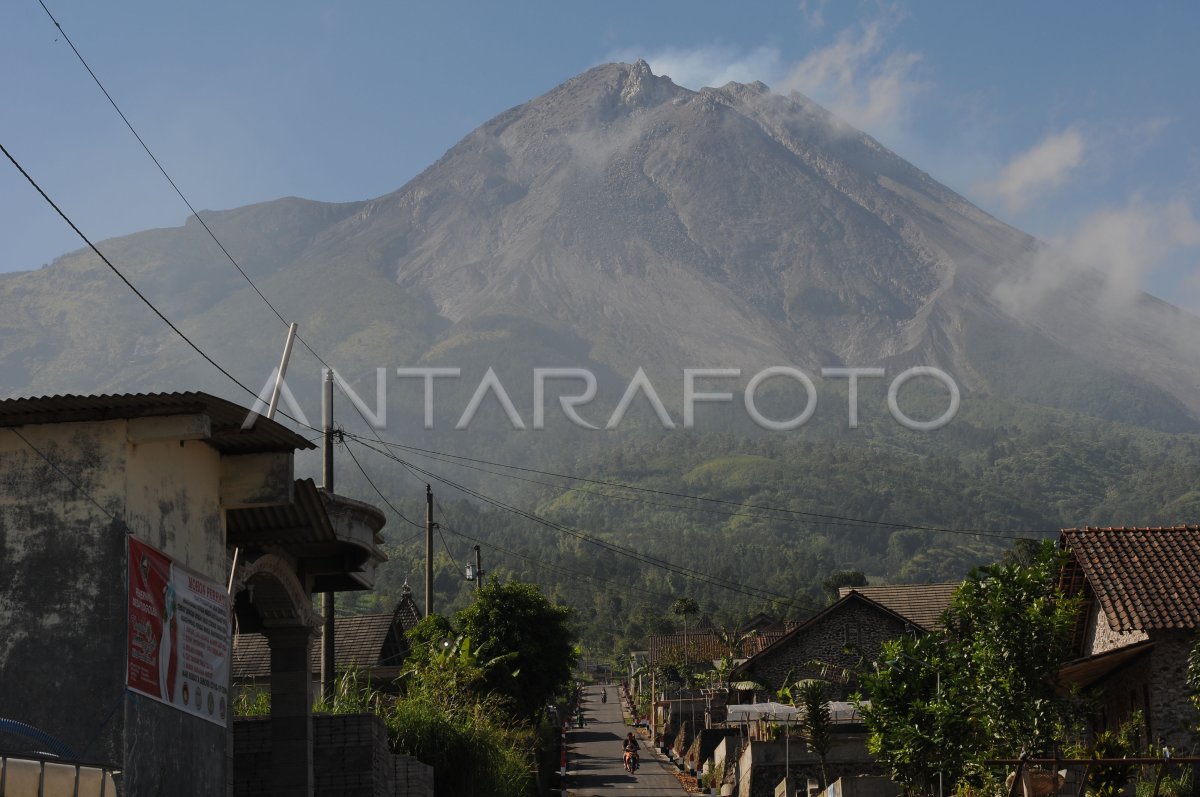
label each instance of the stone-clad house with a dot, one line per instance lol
(1141, 608)
(846, 635)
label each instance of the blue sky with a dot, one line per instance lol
(1074, 121)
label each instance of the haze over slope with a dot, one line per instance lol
(617, 221)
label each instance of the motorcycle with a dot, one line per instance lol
(631, 761)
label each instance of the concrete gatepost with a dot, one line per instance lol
(291, 711)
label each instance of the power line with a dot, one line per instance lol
(125, 280)
(554, 567)
(681, 570)
(189, 205)
(596, 580)
(840, 519)
(744, 510)
(379, 492)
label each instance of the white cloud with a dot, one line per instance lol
(714, 65)
(1036, 171)
(1122, 246)
(813, 12)
(859, 78)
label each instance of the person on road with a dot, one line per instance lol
(630, 746)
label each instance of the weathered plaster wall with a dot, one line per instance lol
(63, 593)
(1155, 684)
(62, 576)
(173, 502)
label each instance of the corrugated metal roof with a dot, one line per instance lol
(228, 437)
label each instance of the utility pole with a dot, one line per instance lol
(478, 569)
(428, 550)
(327, 632)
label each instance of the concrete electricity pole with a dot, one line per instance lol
(429, 525)
(328, 673)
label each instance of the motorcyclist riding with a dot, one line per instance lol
(630, 746)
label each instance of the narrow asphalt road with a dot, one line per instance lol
(594, 766)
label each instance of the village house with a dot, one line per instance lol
(373, 646)
(133, 528)
(843, 637)
(1140, 589)
(830, 646)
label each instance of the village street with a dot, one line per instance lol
(594, 766)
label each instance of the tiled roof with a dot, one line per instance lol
(1144, 578)
(923, 604)
(706, 646)
(781, 642)
(360, 641)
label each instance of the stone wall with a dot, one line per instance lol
(1170, 711)
(1100, 636)
(1155, 684)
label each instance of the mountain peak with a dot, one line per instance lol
(643, 88)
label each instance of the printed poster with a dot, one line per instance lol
(178, 635)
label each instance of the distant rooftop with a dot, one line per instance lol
(923, 604)
(228, 437)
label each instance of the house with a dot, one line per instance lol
(373, 645)
(832, 645)
(706, 649)
(843, 637)
(132, 527)
(923, 604)
(1140, 589)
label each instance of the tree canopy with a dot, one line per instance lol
(515, 620)
(985, 686)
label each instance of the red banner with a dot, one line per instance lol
(178, 635)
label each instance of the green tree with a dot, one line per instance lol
(1008, 630)
(842, 578)
(914, 728)
(515, 620)
(983, 687)
(734, 643)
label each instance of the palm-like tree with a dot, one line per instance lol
(682, 608)
(734, 642)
